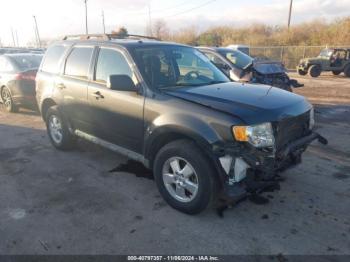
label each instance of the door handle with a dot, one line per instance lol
(98, 95)
(61, 86)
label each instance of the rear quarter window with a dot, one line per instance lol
(51, 63)
(5, 65)
(28, 61)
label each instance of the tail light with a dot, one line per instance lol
(28, 75)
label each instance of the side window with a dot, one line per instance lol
(52, 58)
(78, 62)
(215, 59)
(111, 62)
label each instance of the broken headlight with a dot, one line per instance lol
(258, 135)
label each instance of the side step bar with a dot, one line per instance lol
(118, 149)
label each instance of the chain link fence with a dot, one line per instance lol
(289, 55)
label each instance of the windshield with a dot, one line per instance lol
(326, 53)
(27, 62)
(174, 66)
(238, 58)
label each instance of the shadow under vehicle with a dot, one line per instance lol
(335, 60)
(167, 106)
(242, 68)
(17, 80)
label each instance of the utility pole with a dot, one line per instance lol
(290, 13)
(103, 22)
(13, 38)
(86, 18)
(150, 18)
(37, 31)
(16, 37)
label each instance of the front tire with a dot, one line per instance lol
(336, 73)
(185, 177)
(302, 72)
(315, 71)
(7, 100)
(57, 129)
(347, 71)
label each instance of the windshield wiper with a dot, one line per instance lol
(215, 82)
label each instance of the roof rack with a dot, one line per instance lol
(108, 37)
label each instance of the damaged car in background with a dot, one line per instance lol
(240, 67)
(335, 60)
(167, 106)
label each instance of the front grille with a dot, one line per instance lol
(291, 129)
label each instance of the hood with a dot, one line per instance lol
(253, 104)
(269, 67)
(313, 60)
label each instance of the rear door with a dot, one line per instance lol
(116, 115)
(73, 86)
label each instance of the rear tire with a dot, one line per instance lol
(57, 129)
(336, 73)
(315, 71)
(302, 72)
(187, 193)
(7, 100)
(347, 71)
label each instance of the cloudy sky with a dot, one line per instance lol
(59, 17)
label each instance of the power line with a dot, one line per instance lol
(172, 7)
(158, 10)
(193, 8)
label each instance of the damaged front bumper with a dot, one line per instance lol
(250, 170)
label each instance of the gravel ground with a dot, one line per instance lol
(70, 203)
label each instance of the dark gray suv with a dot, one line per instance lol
(167, 106)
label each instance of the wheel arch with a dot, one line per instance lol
(45, 105)
(1, 87)
(164, 135)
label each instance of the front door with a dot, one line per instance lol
(116, 115)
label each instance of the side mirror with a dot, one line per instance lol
(121, 83)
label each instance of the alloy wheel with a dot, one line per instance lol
(55, 128)
(180, 179)
(6, 98)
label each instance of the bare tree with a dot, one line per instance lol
(160, 29)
